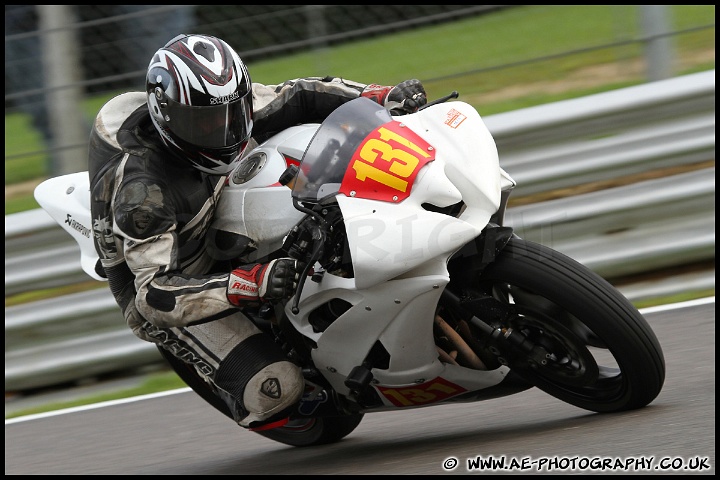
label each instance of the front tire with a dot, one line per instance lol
(601, 353)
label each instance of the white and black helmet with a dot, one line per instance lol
(200, 100)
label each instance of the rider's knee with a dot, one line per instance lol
(272, 394)
(258, 382)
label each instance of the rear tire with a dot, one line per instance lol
(306, 432)
(604, 357)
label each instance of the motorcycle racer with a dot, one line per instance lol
(158, 161)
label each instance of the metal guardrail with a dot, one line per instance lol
(628, 229)
(645, 226)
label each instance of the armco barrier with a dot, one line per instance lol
(634, 227)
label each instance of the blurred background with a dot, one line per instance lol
(63, 62)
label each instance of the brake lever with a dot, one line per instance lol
(444, 99)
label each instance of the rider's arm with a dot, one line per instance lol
(167, 294)
(303, 100)
(312, 99)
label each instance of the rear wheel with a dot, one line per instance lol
(590, 346)
(306, 432)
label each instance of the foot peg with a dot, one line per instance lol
(359, 378)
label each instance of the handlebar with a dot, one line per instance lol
(450, 96)
(317, 236)
(318, 241)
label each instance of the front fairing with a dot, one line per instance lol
(396, 179)
(331, 151)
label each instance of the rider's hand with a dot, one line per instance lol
(405, 97)
(264, 282)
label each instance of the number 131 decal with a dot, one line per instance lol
(386, 163)
(435, 390)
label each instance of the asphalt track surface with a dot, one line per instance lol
(531, 431)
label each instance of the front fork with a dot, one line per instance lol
(493, 329)
(506, 343)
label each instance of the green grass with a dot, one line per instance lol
(44, 294)
(23, 140)
(20, 203)
(677, 298)
(505, 37)
(154, 383)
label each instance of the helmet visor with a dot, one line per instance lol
(217, 126)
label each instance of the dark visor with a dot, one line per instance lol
(217, 126)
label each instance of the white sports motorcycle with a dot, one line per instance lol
(415, 294)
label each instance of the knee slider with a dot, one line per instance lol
(272, 390)
(260, 379)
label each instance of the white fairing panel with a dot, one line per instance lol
(388, 239)
(67, 200)
(469, 154)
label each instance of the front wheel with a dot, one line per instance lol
(583, 342)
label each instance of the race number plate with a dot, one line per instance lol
(386, 163)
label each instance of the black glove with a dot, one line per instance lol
(405, 97)
(264, 282)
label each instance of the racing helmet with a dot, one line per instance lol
(199, 94)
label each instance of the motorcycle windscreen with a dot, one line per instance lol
(360, 151)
